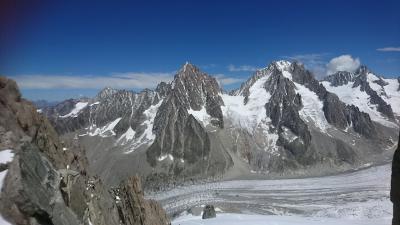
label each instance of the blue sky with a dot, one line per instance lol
(65, 49)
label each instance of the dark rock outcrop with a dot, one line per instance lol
(134, 208)
(177, 132)
(398, 80)
(395, 185)
(209, 212)
(340, 78)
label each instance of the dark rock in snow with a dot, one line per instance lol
(209, 212)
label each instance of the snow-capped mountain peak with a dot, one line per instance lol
(371, 93)
(282, 65)
(277, 121)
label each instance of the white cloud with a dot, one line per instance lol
(243, 68)
(389, 49)
(128, 80)
(224, 80)
(343, 63)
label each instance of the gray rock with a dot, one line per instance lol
(209, 212)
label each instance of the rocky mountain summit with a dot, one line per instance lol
(371, 93)
(281, 122)
(45, 180)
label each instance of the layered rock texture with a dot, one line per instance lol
(280, 122)
(45, 180)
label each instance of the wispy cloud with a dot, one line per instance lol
(226, 80)
(129, 80)
(389, 49)
(208, 66)
(242, 68)
(316, 62)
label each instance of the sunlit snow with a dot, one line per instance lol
(250, 115)
(6, 156)
(105, 131)
(163, 157)
(392, 96)
(201, 115)
(148, 136)
(312, 108)
(75, 111)
(127, 136)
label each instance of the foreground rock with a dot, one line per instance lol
(47, 181)
(135, 209)
(209, 212)
(395, 186)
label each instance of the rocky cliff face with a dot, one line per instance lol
(46, 180)
(178, 133)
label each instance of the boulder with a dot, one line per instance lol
(209, 212)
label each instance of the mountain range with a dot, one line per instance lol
(281, 122)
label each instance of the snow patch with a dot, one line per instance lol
(106, 131)
(6, 156)
(270, 139)
(312, 111)
(127, 136)
(288, 134)
(148, 136)
(95, 103)
(201, 116)
(283, 65)
(75, 111)
(392, 96)
(3, 221)
(163, 157)
(251, 114)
